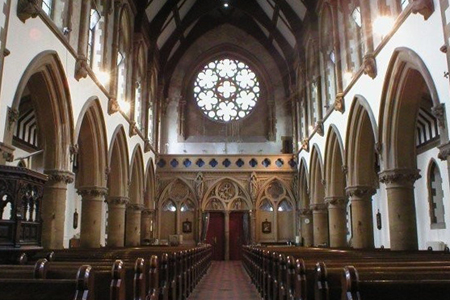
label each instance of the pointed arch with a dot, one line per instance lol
(236, 189)
(118, 164)
(92, 143)
(286, 194)
(361, 141)
(317, 190)
(136, 189)
(45, 80)
(334, 162)
(150, 185)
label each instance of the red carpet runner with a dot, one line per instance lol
(225, 280)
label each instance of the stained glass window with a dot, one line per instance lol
(226, 90)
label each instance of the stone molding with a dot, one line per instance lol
(423, 7)
(7, 152)
(360, 191)
(305, 144)
(339, 103)
(399, 176)
(60, 176)
(135, 207)
(444, 151)
(370, 65)
(27, 9)
(336, 202)
(81, 68)
(320, 207)
(319, 128)
(118, 200)
(113, 106)
(13, 116)
(92, 191)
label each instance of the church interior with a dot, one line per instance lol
(217, 149)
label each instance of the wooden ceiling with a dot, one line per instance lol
(176, 24)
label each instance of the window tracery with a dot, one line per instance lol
(226, 90)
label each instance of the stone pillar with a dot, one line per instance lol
(91, 215)
(362, 216)
(227, 235)
(306, 218)
(133, 228)
(81, 64)
(253, 227)
(54, 208)
(402, 208)
(116, 220)
(146, 224)
(320, 224)
(337, 221)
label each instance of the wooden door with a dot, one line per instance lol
(236, 235)
(215, 235)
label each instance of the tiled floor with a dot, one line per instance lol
(225, 280)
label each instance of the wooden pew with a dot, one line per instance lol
(77, 288)
(356, 288)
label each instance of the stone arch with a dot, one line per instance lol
(317, 192)
(117, 187)
(407, 84)
(136, 195)
(44, 83)
(91, 171)
(45, 79)
(335, 188)
(275, 191)
(361, 159)
(226, 190)
(306, 226)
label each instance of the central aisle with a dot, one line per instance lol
(225, 280)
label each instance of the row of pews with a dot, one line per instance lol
(282, 273)
(150, 273)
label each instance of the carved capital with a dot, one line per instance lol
(27, 9)
(319, 207)
(345, 169)
(7, 152)
(360, 192)
(13, 116)
(81, 68)
(423, 7)
(92, 192)
(319, 128)
(370, 65)
(339, 103)
(135, 207)
(336, 202)
(147, 146)
(60, 176)
(305, 144)
(113, 106)
(444, 151)
(147, 212)
(403, 177)
(439, 112)
(119, 200)
(306, 212)
(133, 128)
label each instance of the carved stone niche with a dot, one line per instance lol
(423, 7)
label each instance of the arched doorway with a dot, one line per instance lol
(227, 206)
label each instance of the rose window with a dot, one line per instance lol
(226, 90)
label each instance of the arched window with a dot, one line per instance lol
(436, 197)
(151, 106)
(122, 60)
(355, 36)
(139, 87)
(47, 7)
(313, 87)
(93, 51)
(328, 59)
(226, 90)
(169, 206)
(187, 206)
(266, 205)
(284, 206)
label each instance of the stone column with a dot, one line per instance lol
(146, 223)
(116, 220)
(253, 227)
(81, 64)
(320, 224)
(227, 235)
(91, 215)
(306, 218)
(402, 208)
(362, 216)
(337, 221)
(133, 228)
(54, 208)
